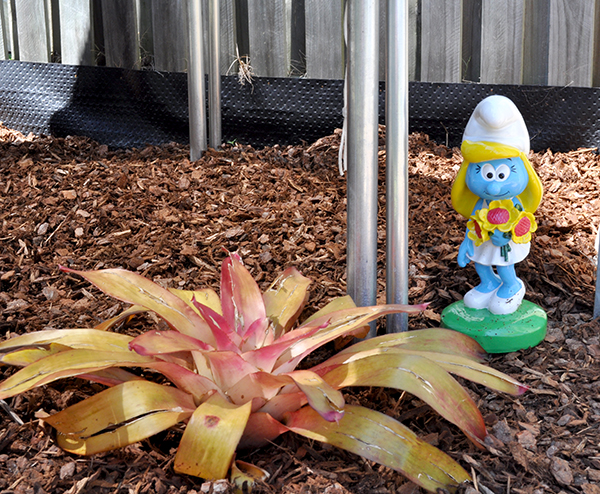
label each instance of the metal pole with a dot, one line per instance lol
(363, 97)
(214, 83)
(396, 144)
(196, 91)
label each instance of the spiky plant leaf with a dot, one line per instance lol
(120, 318)
(279, 405)
(341, 303)
(91, 339)
(419, 376)
(241, 298)
(66, 364)
(228, 368)
(380, 438)
(211, 438)
(265, 357)
(332, 326)
(28, 355)
(205, 296)
(164, 342)
(479, 373)
(451, 361)
(261, 429)
(138, 430)
(225, 337)
(121, 415)
(321, 395)
(77, 362)
(135, 289)
(430, 340)
(471, 370)
(110, 377)
(285, 299)
(262, 385)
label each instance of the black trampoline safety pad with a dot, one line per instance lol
(128, 108)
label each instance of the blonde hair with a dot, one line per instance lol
(463, 200)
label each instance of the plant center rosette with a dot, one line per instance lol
(504, 216)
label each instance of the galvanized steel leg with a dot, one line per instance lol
(396, 115)
(214, 82)
(196, 85)
(363, 95)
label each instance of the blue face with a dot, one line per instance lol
(497, 179)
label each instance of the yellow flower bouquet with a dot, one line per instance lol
(504, 216)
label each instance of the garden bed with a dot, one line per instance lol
(72, 202)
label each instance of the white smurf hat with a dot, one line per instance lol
(497, 119)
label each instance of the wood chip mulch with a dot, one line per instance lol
(73, 202)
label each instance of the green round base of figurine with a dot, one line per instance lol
(522, 329)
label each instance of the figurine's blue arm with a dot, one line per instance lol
(467, 247)
(466, 250)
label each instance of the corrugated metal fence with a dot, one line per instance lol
(546, 42)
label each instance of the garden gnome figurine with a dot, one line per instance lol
(497, 191)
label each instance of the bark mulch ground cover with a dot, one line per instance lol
(73, 202)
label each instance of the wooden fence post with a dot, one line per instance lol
(536, 42)
(121, 41)
(501, 41)
(324, 39)
(32, 30)
(75, 31)
(440, 41)
(228, 36)
(471, 40)
(4, 38)
(571, 43)
(269, 55)
(171, 37)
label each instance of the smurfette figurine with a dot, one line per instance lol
(498, 192)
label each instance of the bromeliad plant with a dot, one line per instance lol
(233, 361)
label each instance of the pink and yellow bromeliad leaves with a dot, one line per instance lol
(232, 359)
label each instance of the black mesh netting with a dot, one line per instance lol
(126, 108)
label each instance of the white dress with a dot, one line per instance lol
(489, 254)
